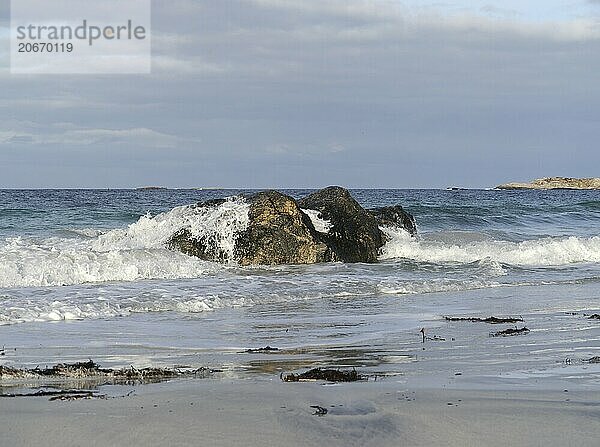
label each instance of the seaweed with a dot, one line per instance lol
(329, 375)
(593, 360)
(59, 394)
(261, 350)
(90, 369)
(490, 320)
(510, 332)
(319, 411)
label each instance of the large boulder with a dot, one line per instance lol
(271, 228)
(206, 248)
(394, 216)
(354, 235)
(279, 233)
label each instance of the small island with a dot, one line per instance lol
(151, 188)
(555, 183)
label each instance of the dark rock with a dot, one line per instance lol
(354, 235)
(394, 216)
(279, 233)
(186, 243)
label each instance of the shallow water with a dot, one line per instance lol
(85, 274)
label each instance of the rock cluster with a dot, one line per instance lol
(280, 232)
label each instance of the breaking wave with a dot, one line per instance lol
(551, 251)
(320, 224)
(129, 254)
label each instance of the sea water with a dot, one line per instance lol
(87, 274)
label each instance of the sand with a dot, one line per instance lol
(259, 412)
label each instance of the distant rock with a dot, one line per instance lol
(354, 235)
(555, 183)
(281, 230)
(151, 188)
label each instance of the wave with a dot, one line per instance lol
(434, 285)
(320, 224)
(114, 300)
(550, 251)
(217, 225)
(130, 254)
(590, 204)
(36, 311)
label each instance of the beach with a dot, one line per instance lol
(255, 413)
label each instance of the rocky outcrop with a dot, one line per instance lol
(278, 231)
(555, 183)
(354, 235)
(394, 216)
(203, 248)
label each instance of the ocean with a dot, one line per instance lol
(85, 274)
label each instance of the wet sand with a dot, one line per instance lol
(268, 412)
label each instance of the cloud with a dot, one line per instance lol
(67, 134)
(308, 93)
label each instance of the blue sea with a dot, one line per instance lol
(86, 274)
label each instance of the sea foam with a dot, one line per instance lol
(129, 254)
(551, 251)
(320, 224)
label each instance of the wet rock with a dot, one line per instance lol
(279, 233)
(354, 235)
(206, 249)
(394, 216)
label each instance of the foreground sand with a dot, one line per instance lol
(262, 412)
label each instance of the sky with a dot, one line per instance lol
(303, 93)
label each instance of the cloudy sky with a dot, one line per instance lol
(308, 93)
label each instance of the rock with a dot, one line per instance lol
(555, 183)
(204, 249)
(279, 233)
(276, 231)
(354, 235)
(151, 188)
(394, 216)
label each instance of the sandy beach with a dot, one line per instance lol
(263, 412)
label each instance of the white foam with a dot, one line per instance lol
(67, 309)
(433, 286)
(320, 224)
(137, 252)
(539, 252)
(216, 225)
(87, 232)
